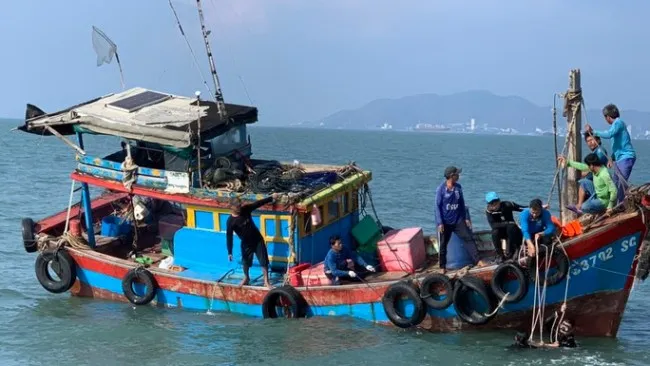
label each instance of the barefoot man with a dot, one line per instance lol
(252, 242)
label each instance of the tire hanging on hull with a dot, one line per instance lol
(430, 295)
(389, 301)
(499, 279)
(464, 287)
(143, 276)
(293, 302)
(29, 238)
(63, 266)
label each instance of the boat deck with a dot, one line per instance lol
(150, 246)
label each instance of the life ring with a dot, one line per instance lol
(62, 265)
(430, 296)
(287, 297)
(500, 277)
(29, 239)
(395, 292)
(462, 304)
(561, 265)
(145, 277)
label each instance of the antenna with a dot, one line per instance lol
(217, 87)
(105, 49)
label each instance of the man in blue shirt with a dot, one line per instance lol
(623, 154)
(536, 225)
(450, 217)
(336, 262)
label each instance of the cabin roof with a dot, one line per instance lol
(144, 115)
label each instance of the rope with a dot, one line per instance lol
(196, 63)
(67, 216)
(292, 253)
(558, 167)
(129, 168)
(499, 306)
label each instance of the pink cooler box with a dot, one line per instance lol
(402, 250)
(315, 276)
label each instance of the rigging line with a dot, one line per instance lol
(196, 63)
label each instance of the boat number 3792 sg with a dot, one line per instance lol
(605, 255)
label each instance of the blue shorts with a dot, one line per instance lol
(587, 185)
(593, 205)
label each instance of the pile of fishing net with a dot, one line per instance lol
(266, 177)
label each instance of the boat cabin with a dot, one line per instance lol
(182, 165)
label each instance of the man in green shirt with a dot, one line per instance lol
(604, 197)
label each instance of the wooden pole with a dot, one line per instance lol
(559, 191)
(574, 147)
(64, 139)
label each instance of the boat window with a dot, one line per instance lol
(230, 140)
(345, 202)
(333, 209)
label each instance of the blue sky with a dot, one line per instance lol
(302, 60)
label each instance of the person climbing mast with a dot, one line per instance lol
(450, 217)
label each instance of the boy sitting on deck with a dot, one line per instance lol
(336, 262)
(604, 197)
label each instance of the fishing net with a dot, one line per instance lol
(103, 46)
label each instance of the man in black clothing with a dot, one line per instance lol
(252, 241)
(502, 222)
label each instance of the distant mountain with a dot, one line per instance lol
(485, 107)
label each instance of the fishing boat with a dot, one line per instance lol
(157, 235)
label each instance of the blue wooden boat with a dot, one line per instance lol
(168, 189)
(596, 269)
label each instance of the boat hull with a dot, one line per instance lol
(600, 278)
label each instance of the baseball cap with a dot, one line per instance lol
(491, 196)
(451, 170)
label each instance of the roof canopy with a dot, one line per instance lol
(144, 115)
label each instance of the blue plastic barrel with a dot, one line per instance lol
(114, 226)
(457, 255)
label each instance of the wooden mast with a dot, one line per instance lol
(572, 112)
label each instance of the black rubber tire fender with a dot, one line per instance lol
(29, 238)
(296, 302)
(389, 302)
(62, 264)
(499, 279)
(428, 296)
(145, 277)
(463, 287)
(562, 265)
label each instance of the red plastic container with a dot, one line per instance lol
(315, 276)
(402, 250)
(295, 278)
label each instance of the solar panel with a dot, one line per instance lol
(139, 101)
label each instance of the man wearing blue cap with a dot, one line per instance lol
(501, 220)
(450, 217)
